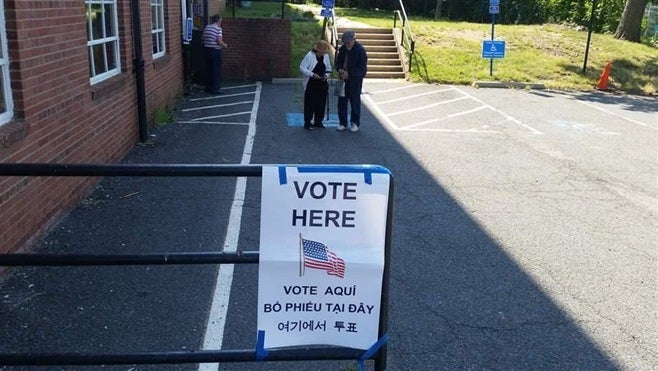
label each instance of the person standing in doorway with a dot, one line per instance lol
(351, 63)
(213, 42)
(316, 68)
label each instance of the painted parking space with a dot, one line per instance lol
(234, 107)
(407, 106)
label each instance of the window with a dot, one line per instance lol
(158, 28)
(6, 102)
(102, 39)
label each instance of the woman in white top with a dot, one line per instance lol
(316, 68)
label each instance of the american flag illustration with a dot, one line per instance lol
(318, 256)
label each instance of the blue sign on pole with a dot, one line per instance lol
(188, 29)
(327, 3)
(494, 9)
(494, 2)
(326, 13)
(493, 49)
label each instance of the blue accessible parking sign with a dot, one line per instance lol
(493, 49)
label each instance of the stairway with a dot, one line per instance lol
(383, 58)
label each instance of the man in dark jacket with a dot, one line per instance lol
(351, 64)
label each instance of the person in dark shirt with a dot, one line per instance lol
(351, 64)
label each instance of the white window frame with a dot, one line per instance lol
(105, 39)
(158, 28)
(8, 114)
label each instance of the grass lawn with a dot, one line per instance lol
(450, 52)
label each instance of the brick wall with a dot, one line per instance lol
(259, 49)
(60, 117)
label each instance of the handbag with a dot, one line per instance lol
(339, 88)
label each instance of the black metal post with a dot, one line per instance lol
(589, 34)
(380, 358)
(493, 22)
(138, 64)
(240, 257)
(206, 16)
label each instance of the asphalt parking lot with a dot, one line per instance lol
(524, 231)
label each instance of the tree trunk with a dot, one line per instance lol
(631, 20)
(437, 10)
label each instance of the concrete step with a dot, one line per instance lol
(384, 62)
(377, 43)
(383, 50)
(364, 37)
(383, 55)
(385, 75)
(383, 59)
(368, 30)
(383, 68)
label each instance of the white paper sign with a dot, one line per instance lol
(322, 242)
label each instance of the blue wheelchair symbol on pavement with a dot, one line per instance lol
(493, 49)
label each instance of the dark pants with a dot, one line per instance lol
(353, 95)
(315, 102)
(214, 64)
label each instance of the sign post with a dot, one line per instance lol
(322, 255)
(327, 8)
(493, 49)
(188, 30)
(494, 8)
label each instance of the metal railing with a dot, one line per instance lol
(302, 353)
(407, 40)
(329, 24)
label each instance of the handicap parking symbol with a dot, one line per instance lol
(493, 49)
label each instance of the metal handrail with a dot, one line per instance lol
(408, 41)
(302, 353)
(330, 22)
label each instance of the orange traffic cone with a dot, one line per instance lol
(603, 80)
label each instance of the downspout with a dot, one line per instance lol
(138, 65)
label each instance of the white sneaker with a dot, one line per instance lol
(341, 127)
(354, 128)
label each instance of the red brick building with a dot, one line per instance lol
(68, 95)
(69, 89)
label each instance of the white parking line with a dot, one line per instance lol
(378, 112)
(414, 96)
(509, 118)
(218, 311)
(387, 118)
(398, 88)
(217, 106)
(198, 119)
(618, 115)
(427, 106)
(215, 123)
(214, 97)
(444, 118)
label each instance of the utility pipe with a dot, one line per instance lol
(138, 65)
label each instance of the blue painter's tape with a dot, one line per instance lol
(372, 350)
(283, 177)
(367, 170)
(296, 119)
(261, 353)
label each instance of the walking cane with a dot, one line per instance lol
(328, 90)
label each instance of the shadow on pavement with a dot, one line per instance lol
(458, 301)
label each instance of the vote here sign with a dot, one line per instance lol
(322, 239)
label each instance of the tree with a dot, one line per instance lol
(437, 10)
(631, 20)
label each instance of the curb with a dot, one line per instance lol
(508, 85)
